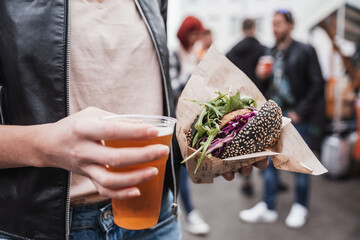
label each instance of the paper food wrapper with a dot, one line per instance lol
(216, 73)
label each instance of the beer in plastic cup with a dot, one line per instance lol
(267, 63)
(143, 211)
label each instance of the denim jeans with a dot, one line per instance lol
(185, 194)
(302, 181)
(95, 222)
(3, 237)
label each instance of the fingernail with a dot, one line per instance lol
(151, 173)
(134, 193)
(163, 150)
(152, 132)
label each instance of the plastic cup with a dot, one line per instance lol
(267, 63)
(142, 212)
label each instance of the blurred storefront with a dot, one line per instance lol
(341, 27)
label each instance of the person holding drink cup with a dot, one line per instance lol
(66, 67)
(293, 79)
(265, 66)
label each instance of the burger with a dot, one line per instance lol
(230, 126)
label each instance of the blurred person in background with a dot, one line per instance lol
(205, 42)
(245, 55)
(295, 82)
(183, 62)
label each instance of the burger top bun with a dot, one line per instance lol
(261, 132)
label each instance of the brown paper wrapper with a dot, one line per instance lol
(216, 73)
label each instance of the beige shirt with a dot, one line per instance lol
(113, 66)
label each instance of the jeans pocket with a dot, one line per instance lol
(163, 222)
(166, 229)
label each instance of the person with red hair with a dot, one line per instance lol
(184, 60)
(189, 32)
(182, 63)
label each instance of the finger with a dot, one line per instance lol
(120, 194)
(96, 129)
(111, 180)
(119, 157)
(246, 171)
(229, 176)
(262, 164)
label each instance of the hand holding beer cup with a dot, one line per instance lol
(74, 143)
(264, 67)
(137, 156)
(142, 211)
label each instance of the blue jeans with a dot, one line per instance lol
(302, 181)
(3, 237)
(95, 221)
(185, 194)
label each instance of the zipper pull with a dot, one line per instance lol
(175, 210)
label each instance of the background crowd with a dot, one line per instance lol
(291, 72)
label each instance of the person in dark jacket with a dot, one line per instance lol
(295, 83)
(62, 69)
(246, 54)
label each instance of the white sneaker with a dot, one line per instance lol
(259, 213)
(297, 216)
(195, 224)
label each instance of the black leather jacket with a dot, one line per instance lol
(34, 76)
(303, 71)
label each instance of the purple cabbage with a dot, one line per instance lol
(228, 133)
(203, 139)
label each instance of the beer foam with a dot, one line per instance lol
(164, 131)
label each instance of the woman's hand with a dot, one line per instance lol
(246, 171)
(74, 144)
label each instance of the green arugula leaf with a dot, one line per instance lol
(212, 134)
(199, 124)
(235, 102)
(210, 105)
(193, 154)
(249, 102)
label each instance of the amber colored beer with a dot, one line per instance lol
(142, 212)
(267, 63)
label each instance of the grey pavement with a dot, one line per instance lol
(334, 210)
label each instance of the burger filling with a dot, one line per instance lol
(228, 132)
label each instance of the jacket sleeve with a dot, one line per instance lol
(316, 81)
(230, 54)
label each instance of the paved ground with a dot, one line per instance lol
(334, 214)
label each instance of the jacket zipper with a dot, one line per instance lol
(68, 31)
(1, 111)
(174, 204)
